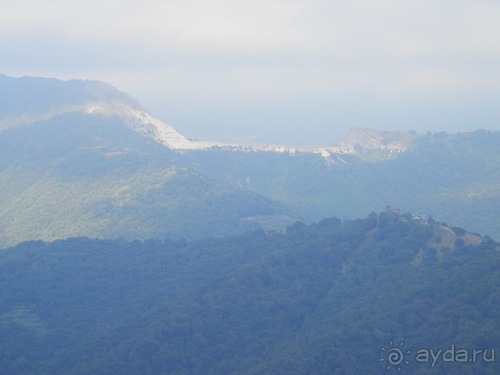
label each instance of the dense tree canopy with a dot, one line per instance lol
(323, 298)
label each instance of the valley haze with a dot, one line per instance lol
(286, 187)
(274, 72)
(130, 248)
(81, 158)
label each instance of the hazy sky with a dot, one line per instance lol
(284, 71)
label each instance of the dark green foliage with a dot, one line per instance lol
(75, 174)
(67, 171)
(454, 177)
(68, 177)
(318, 299)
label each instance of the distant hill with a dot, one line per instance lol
(32, 100)
(81, 158)
(452, 176)
(334, 297)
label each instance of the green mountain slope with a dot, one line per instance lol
(453, 176)
(80, 158)
(32, 99)
(74, 173)
(318, 299)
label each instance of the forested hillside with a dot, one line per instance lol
(452, 176)
(327, 298)
(81, 158)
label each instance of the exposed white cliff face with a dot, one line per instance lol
(145, 124)
(357, 139)
(372, 140)
(32, 100)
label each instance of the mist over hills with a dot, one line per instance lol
(316, 299)
(38, 95)
(67, 170)
(82, 158)
(134, 250)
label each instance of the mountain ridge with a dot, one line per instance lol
(97, 97)
(99, 170)
(81, 96)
